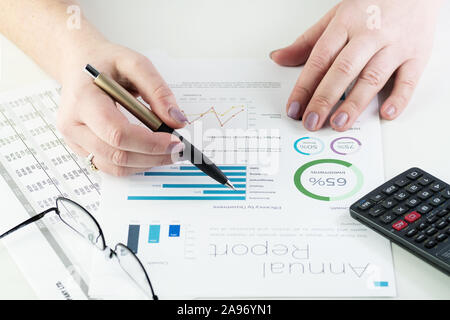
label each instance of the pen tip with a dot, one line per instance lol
(228, 184)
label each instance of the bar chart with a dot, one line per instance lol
(153, 233)
(188, 183)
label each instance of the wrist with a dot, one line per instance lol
(81, 47)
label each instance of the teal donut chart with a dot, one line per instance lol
(319, 142)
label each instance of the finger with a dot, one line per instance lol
(370, 81)
(89, 141)
(153, 89)
(104, 165)
(344, 70)
(322, 56)
(406, 79)
(109, 124)
(298, 52)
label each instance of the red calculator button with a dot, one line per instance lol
(412, 216)
(399, 225)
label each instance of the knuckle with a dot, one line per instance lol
(321, 101)
(116, 137)
(372, 77)
(155, 147)
(301, 91)
(344, 66)
(408, 83)
(318, 62)
(162, 92)
(352, 106)
(162, 161)
(137, 61)
(119, 157)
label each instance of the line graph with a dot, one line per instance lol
(222, 117)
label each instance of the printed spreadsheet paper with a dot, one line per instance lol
(37, 166)
(286, 231)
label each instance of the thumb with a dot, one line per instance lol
(297, 53)
(140, 72)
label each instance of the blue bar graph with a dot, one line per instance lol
(153, 233)
(187, 182)
(133, 237)
(223, 168)
(203, 186)
(381, 284)
(223, 192)
(174, 230)
(184, 198)
(188, 174)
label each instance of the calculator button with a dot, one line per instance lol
(441, 237)
(430, 244)
(441, 224)
(387, 217)
(401, 182)
(424, 194)
(435, 201)
(414, 174)
(411, 233)
(399, 225)
(365, 204)
(376, 211)
(399, 210)
(437, 186)
(446, 193)
(412, 216)
(400, 196)
(412, 202)
(389, 203)
(424, 208)
(390, 190)
(430, 231)
(377, 197)
(442, 213)
(420, 238)
(425, 181)
(422, 226)
(432, 219)
(413, 188)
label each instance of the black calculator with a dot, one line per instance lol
(412, 210)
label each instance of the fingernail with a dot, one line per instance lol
(271, 53)
(294, 109)
(340, 120)
(390, 111)
(175, 147)
(311, 121)
(177, 115)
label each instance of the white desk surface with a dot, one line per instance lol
(252, 29)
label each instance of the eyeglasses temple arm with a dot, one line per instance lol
(29, 221)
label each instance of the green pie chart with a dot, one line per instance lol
(328, 179)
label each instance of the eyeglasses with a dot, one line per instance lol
(84, 224)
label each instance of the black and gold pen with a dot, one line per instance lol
(154, 123)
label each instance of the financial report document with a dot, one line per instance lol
(285, 231)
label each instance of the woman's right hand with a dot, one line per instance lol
(91, 122)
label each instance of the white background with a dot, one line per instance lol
(252, 29)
